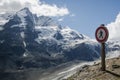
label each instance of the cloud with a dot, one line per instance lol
(36, 6)
(114, 29)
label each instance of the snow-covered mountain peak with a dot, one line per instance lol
(25, 12)
(23, 18)
(26, 17)
(45, 26)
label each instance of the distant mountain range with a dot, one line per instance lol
(29, 41)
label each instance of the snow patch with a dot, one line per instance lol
(45, 33)
(14, 26)
(25, 55)
(22, 34)
(37, 28)
(70, 34)
(24, 43)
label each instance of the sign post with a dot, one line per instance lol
(101, 35)
(103, 57)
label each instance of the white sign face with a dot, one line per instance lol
(101, 34)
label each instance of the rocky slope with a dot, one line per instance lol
(94, 72)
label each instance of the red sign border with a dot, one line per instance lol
(106, 31)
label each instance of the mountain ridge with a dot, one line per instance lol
(29, 35)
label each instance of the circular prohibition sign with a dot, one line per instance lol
(101, 34)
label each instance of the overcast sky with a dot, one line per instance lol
(82, 15)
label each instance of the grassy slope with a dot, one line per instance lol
(94, 73)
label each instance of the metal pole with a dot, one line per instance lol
(103, 57)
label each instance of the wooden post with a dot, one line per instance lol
(103, 68)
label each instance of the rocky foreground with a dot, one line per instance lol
(94, 72)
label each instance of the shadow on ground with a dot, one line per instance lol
(114, 74)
